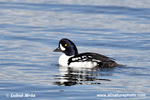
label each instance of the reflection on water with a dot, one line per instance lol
(72, 76)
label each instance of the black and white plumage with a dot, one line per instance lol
(71, 58)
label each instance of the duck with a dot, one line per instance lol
(71, 57)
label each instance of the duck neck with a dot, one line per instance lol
(71, 51)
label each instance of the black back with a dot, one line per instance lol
(102, 61)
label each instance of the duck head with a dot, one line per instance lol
(66, 46)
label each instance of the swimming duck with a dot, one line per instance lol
(71, 57)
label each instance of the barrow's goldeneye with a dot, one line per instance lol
(71, 58)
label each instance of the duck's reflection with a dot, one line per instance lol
(73, 76)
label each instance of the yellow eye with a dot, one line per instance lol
(65, 45)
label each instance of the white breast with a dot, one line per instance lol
(63, 61)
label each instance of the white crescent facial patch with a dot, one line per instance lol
(62, 48)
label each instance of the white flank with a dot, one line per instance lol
(63, 61)
(85, 64)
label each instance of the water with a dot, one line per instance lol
(31, 30)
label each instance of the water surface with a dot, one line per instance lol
(31, 30)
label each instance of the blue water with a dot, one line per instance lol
(31, 30)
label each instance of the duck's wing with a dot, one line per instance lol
(102, 61)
